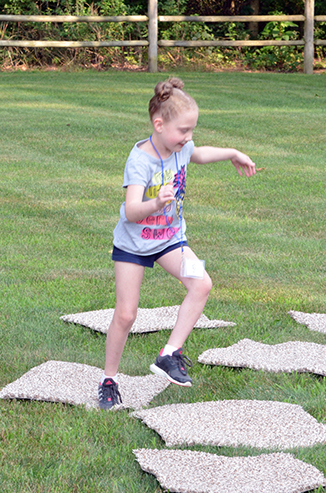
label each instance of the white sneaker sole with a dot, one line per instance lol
(158, 371)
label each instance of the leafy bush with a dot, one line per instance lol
(281, 58)
(86, 57)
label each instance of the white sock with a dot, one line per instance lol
(115, 378)
(168, 349)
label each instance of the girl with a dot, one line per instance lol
(152, 229)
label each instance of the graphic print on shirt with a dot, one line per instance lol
(152, 191)
(179, 183)
(161, 219)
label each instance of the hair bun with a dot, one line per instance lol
(169, 100)
(164, 90)
(177, 83)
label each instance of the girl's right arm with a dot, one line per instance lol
(136, 209)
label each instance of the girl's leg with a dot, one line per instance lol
(195, 300)
(128, 279)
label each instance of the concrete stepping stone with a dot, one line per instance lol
(148, 320)
(314, 321)
(234, 423)
(293, 356)
(185, 471)
(75, 383)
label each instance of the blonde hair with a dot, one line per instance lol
(170, 99)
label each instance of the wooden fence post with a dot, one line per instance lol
(308, 64)
(152, 35)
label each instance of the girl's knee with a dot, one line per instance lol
(125, 318)
(207, 284)
(202, 287)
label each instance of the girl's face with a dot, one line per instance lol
(175, 133)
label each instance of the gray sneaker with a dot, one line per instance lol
(173, 367)
(108, 394)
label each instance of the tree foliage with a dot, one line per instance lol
(281, 58)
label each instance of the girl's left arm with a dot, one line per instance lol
(208, 154)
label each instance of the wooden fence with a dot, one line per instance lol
(153, 42)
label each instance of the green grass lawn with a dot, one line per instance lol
(65, 138)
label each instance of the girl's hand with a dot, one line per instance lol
(165, 195)
(242, 161)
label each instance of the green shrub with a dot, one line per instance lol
(280, 58)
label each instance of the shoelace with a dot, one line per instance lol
(182, 359)
(112, 391)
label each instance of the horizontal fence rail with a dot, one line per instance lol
(73, 18)
(70, 44)
(153, 18)
(230, 18)
(247, 42)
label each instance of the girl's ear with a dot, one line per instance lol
(158, 124)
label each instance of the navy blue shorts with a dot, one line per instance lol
(144, 260)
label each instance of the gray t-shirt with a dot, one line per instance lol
(161, 229)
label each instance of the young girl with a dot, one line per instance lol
(152, 229)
